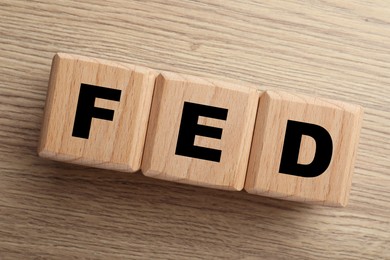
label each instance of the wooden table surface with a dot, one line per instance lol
(333, 49)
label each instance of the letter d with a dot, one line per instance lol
(292, 141)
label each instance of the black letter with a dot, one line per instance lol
(86, 109)
(292, 141)
(189, 128)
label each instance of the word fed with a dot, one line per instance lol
(201, 132)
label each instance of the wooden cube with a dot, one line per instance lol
(96, 113)
(303, 148)
(200, 132)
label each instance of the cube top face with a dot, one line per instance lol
(96, 113)
(200, 132)
(267, 174)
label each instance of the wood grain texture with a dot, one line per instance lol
(342, 121)
(166, 157)
(332, 49)
(115, 144)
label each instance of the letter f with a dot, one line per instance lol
(86, 109)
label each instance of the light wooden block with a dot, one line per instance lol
(119, 102)
(312, 180)
(176, 129)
